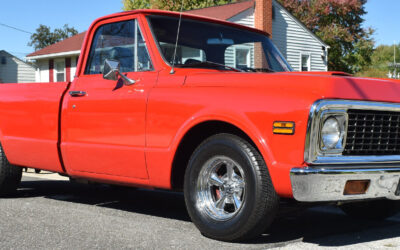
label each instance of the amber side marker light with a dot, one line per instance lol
(285, 128)
(356, 187)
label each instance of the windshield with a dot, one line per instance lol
(210, 45)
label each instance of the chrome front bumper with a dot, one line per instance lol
(314, 184)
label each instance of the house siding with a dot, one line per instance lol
(74, 61)
(43, 68)
(244, 18)
(15, 70)
(291, 38)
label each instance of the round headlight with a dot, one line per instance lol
(330, 133)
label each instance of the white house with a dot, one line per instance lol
(302, 49)
(15, 70)
(57, 62)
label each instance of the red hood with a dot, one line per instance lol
(326, 73)
(315, 85)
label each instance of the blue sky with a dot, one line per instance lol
(383, 15)
(28, 15)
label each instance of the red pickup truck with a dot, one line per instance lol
(213, 110)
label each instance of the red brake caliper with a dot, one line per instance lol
(218, 193)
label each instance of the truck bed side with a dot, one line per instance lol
(29, 124)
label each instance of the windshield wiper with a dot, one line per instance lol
(267, 70)
(208, 64)
(223, 65)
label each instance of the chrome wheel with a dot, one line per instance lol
(221, 188)
(228, 192)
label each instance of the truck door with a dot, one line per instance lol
(103, 121)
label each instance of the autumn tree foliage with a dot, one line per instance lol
(173, 5)
(339, 24)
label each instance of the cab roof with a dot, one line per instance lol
(177, 14)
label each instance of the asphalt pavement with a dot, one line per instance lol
(49, 212)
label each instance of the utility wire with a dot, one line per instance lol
(11, 27)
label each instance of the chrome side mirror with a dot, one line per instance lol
(111, 71)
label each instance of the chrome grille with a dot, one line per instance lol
(373, 132)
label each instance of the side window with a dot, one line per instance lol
(120, 41)
(143, 59)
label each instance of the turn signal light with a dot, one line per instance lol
(356, 187)
(286, 128)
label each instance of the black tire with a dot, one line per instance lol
(10, 176)
(259, 203)
(372, 210)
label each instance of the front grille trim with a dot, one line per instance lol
(312, 153)
(372, 132)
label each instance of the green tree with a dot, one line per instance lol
(381, 61)
(134, 4)
(173, 5)
(361, 56)
(339, 24)
(44, 37)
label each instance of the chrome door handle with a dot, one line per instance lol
(77, 93)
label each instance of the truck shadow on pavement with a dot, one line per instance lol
(328, 226)
(323, 225)
(156, 203)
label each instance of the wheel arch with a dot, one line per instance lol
(197, 134)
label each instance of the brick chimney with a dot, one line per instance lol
(262, 21)
(263, 15)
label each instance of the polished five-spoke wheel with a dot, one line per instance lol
(228, 192)
(221, 188)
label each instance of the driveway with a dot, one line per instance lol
(49, 212)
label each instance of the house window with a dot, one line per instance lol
(305, 62)
(59, 71)
(3, 60)
(242, 58)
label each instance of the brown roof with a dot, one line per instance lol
(223, 12)
(70, 44)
